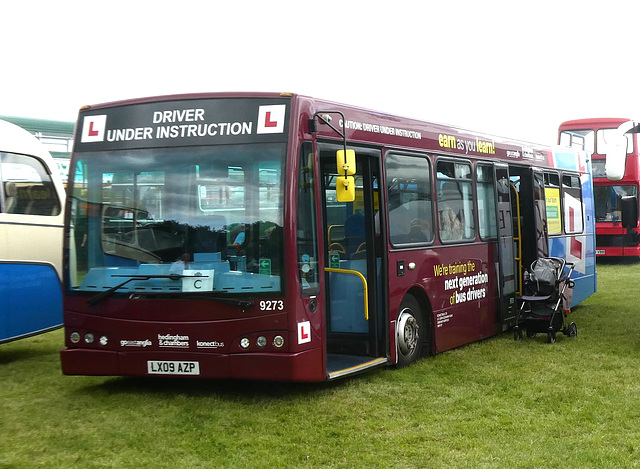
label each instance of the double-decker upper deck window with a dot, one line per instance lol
(27, 186)
(606, 136)
(409, 199)
(455, 201)
(579, 139)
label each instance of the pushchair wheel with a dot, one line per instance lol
(517, 334)
(551, 337)
(531, 334)
(572, 330)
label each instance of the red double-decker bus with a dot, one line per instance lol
(282, 237)
(598, 137)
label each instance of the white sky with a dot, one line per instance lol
(510, 68)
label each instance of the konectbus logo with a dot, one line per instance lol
(93, 128)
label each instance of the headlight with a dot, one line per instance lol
(88, 338)
(262, 341)
(278, 341)
(104, 340)
(244, 343)
(74, 337)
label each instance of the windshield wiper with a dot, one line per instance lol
(107, 293)
(242, 304)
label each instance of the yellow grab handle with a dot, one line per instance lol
(364, 285)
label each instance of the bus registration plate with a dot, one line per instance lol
(165, 367)
(600, 252)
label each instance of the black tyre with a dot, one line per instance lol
(551, 337)
(410, 331)
(517, 334)
(572, 330)
(531, 334)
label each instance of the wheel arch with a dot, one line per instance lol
(427, 312)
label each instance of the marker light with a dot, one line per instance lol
(74, 337)
(244, 342)
(88, 338)
(104, 340)
(278, 341)
(262, 341)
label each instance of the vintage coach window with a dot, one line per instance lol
(27, 186)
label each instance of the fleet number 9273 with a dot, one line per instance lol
(271, 305)
(171, 367)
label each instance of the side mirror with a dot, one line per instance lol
(629, 211)
(346, 162)
(345, 185)
(617, 152)
(345, 189)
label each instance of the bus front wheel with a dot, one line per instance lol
(409, 331)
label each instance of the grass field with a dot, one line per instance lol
(497, 403)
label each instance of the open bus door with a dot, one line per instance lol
(539, 220)
(530, 215)
(355, 326)
(506, 256)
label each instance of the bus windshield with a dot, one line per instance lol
(170, 221)
(608, 200)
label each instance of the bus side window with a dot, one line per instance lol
(486, 202)
(409, 199)
(572, 204)
(28, 189)
(455, 201)
(10, 196)
(552, 199)
(306, 226)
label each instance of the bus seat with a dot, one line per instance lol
(207, 257)
(347, 299)
(354, 232)
(10, 196)
(450, 190)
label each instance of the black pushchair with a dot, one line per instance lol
(541, 308)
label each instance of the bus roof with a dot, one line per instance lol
(592, 121)
(41, 125)
(366, 126)
(15, 139)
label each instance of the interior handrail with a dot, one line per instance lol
(364, 285)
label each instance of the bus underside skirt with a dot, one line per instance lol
(344, 365)
(302, 366)
(89, 362)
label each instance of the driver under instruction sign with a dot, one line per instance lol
(180, 123)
